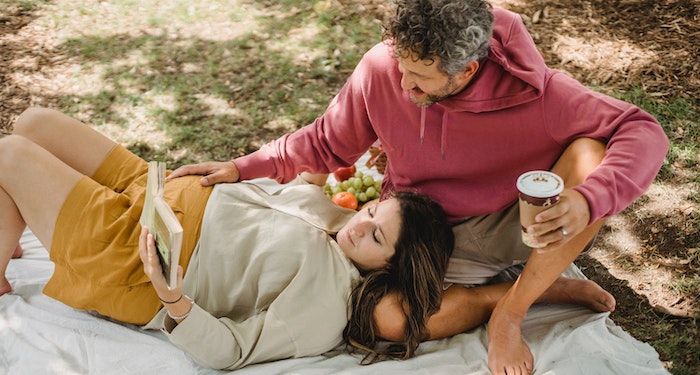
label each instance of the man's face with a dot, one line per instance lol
(426, 83)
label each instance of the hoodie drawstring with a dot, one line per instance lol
(443, 131)
(422, 124)
(443, 138)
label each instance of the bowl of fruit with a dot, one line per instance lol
(353, 188)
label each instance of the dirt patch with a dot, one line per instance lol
(12, 98)
(620, 43)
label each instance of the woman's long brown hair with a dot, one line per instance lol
(415, 273)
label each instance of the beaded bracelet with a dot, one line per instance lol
(183, 316)
(170, 303)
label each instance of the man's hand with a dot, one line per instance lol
(152, 268)
(557, 225)
(214, 172)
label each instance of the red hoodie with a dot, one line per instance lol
(467, 151)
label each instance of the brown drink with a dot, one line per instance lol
(539, 190)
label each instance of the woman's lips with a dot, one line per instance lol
(350, 239)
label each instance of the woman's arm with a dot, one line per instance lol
(462, 309)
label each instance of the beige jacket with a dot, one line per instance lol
(267, 279)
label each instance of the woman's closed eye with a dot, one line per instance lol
(374, 232)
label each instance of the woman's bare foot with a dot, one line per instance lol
(18, 252)
(508, 354)
(5, 286)
(579, 292)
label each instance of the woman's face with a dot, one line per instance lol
(368, 239)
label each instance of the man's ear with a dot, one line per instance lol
(469, 71)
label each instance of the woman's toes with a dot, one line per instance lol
(5, 286)
(18, 252)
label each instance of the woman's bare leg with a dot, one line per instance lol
(11, 227)
(34, 185)
(76, 144)
(18, 251)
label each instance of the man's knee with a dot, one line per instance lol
(579, 160)
(31, 120)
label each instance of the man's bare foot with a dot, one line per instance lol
(508, 352)
(18, 252)
(5, 286)
(579, 292)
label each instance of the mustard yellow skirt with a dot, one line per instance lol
(95, 241)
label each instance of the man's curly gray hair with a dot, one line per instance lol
(455, 31)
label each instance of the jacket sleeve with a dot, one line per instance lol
(336, 139)
(227, 345)
(636, 143)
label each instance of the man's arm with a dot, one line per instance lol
(635, 142)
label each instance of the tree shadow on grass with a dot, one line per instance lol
(222, 95)
(13, 17)
(213, 99)
(663, 27)
(676, 339)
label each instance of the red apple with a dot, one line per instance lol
(342, 174)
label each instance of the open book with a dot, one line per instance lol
(162, 223)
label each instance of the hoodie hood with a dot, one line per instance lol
(513, 73)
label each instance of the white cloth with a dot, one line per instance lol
(39, 335)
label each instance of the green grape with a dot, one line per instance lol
(336, 189)
(378, 185)
(359, 174)
(345, 185)
(351, 190)
(357, 184)
(368, 181)
(371, 192)
(362, 197)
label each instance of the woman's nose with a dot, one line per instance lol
(362, 228)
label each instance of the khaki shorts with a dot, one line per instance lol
(95, 241)
(488, 248)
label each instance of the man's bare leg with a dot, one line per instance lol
(33, 186)
(76, 144)
(508, 353)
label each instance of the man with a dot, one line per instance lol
(463, 103)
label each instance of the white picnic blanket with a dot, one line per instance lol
(39, 335)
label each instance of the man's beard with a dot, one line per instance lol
(445, 91)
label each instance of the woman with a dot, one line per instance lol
(42, 167)
(266, 270)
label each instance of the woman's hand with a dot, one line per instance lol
(214, 172)
(153, 270)
(557, 225)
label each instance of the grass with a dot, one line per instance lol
(225, 98)
(21, 5)
(186, 82)
(679, 118)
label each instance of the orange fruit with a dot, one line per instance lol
(345, 199)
